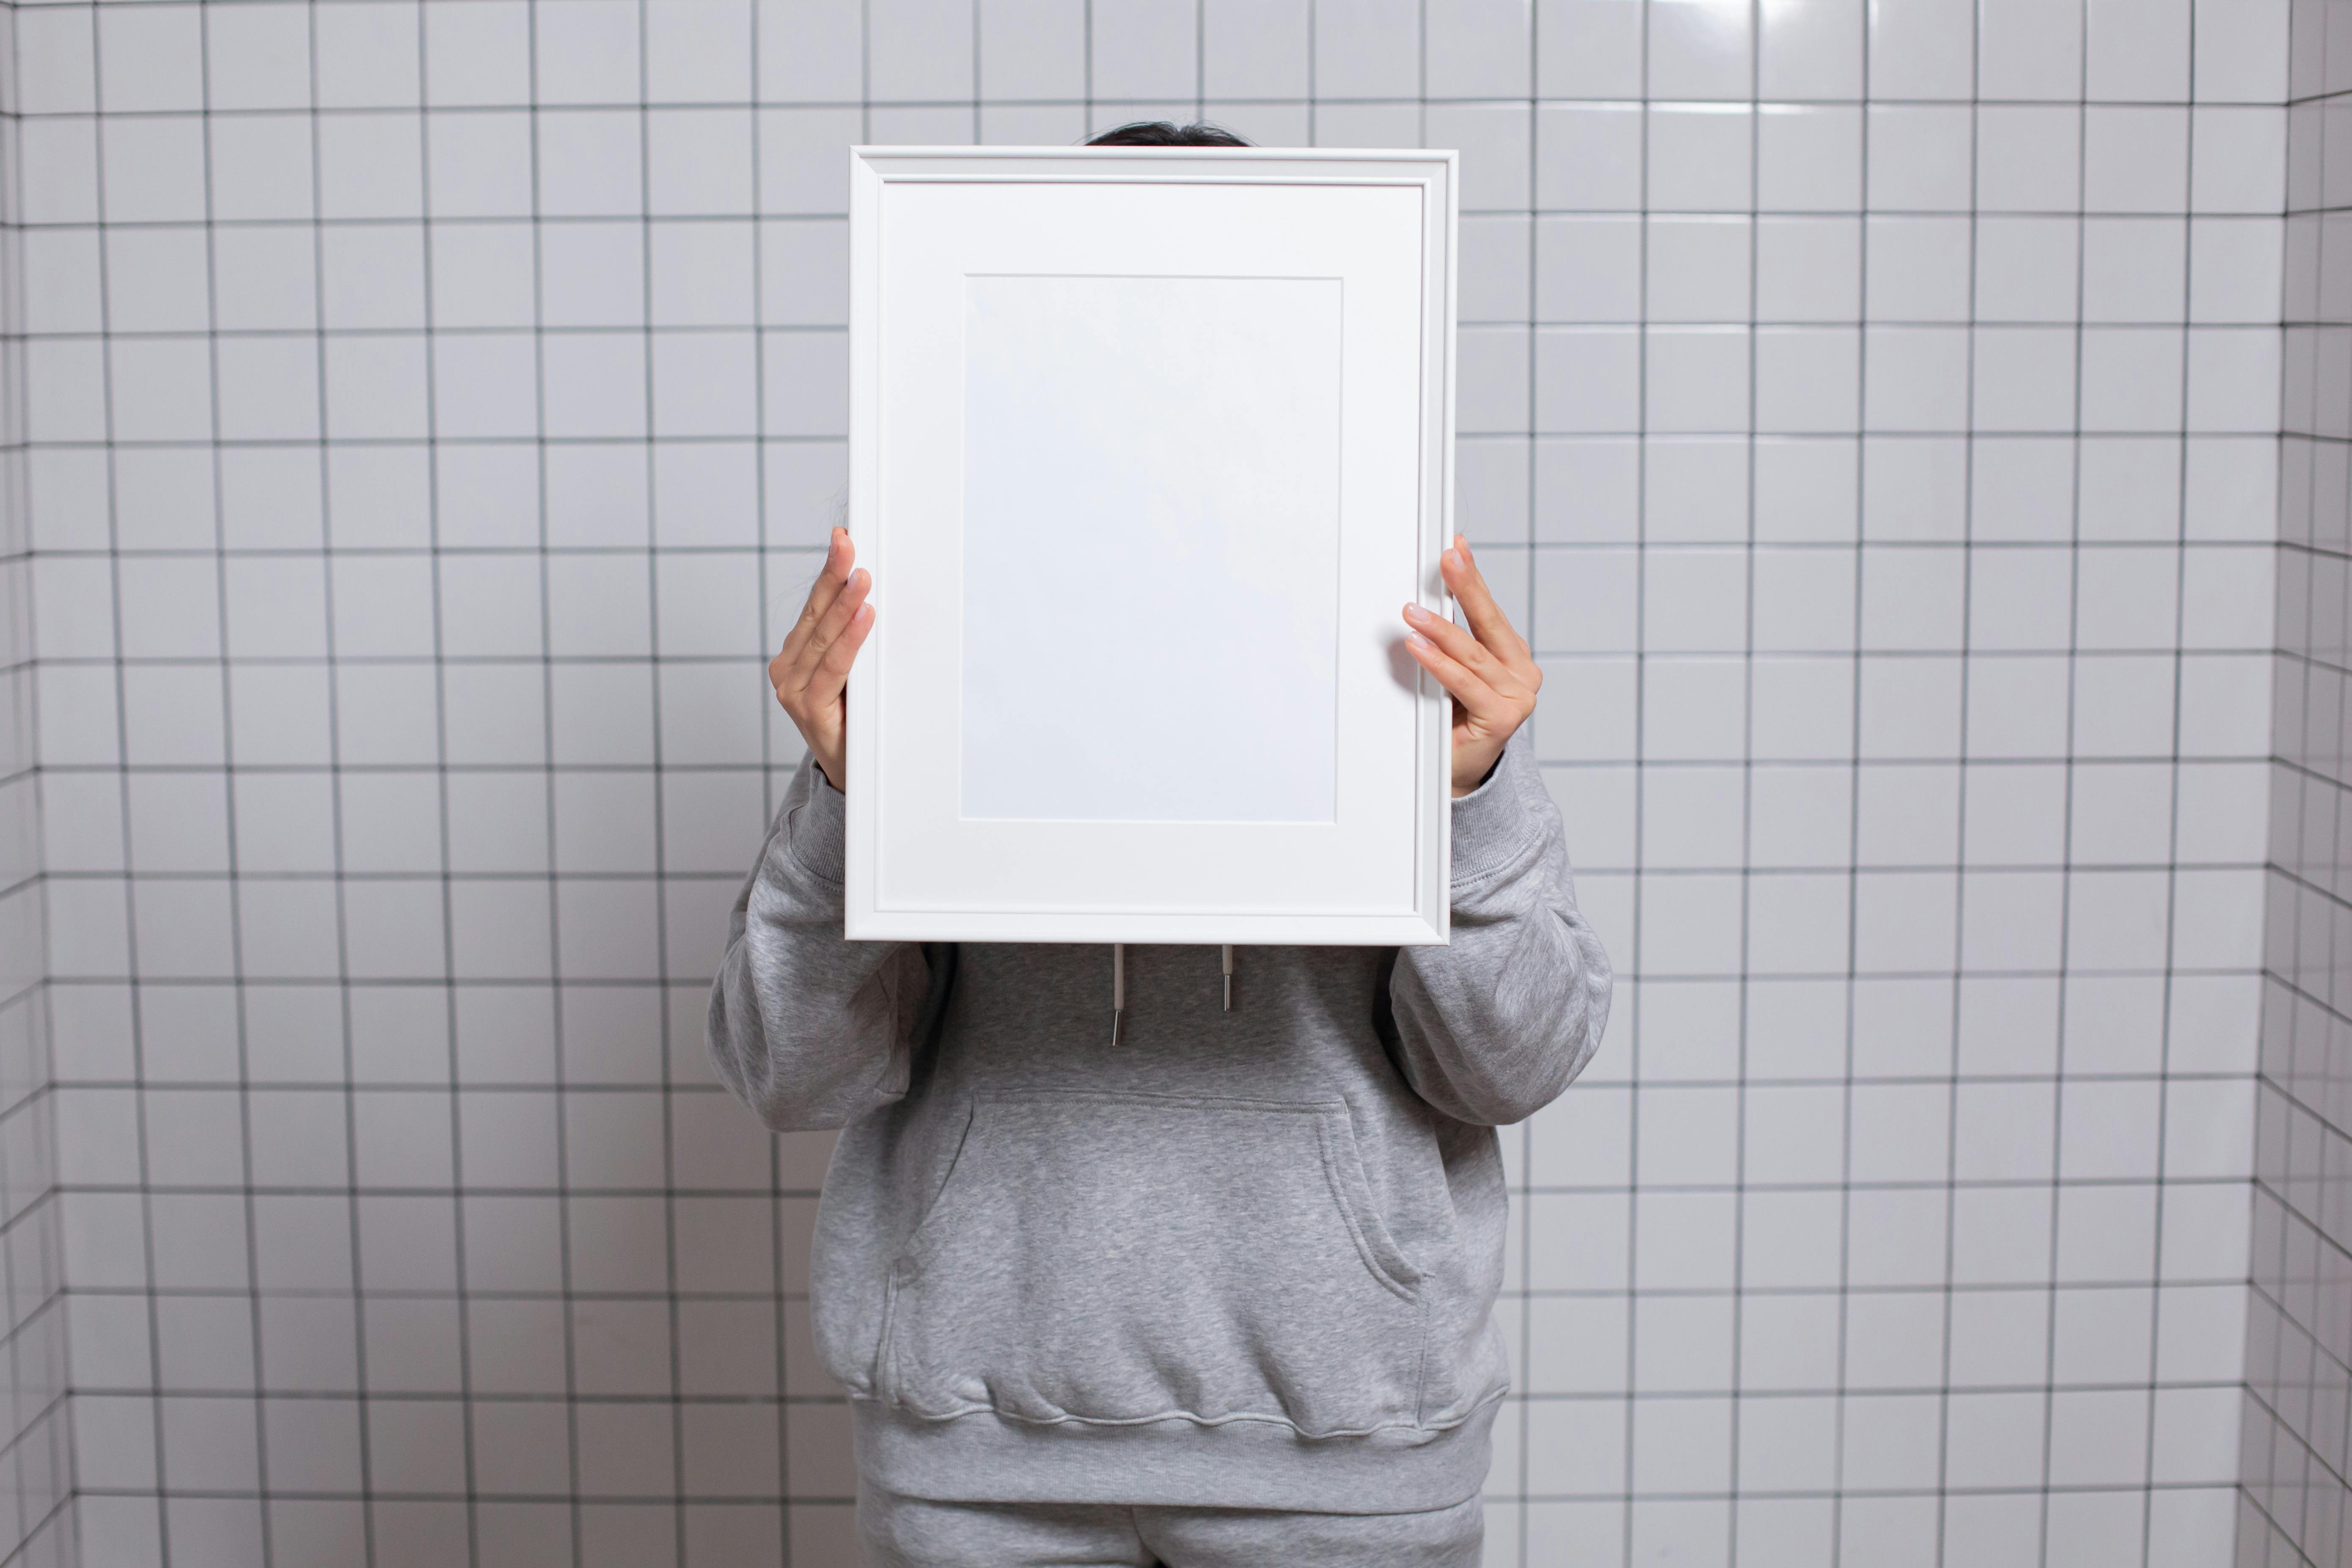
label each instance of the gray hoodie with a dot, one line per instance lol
(1244, 1259)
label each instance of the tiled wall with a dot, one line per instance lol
(2299, 1342)
(36, 1524)
(1872, 415)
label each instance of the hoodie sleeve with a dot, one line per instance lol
(807, 1029)
(1490, 1028)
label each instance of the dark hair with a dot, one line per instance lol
(1163, 133)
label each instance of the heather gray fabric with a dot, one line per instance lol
(915, 1532)
(1245, 1260)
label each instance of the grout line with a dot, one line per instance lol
(557, 984)
(2058, 1183)
(661, 910)
(1633, 1033)
(327, 519)
(2157, 1263)
(769, 803)
(1524, 1411)
(130, 882)
(249, 1212)
(1960, 832)
(1735, 1480)
(468, 1456)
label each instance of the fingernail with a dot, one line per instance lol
(1418, 640)
(1416, 613)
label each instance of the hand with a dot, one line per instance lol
(811, 674)
(1488, 669)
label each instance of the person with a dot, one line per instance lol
(1221, 1294)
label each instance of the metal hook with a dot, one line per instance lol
(1118, 991)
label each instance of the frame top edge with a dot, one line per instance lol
(1432, 155)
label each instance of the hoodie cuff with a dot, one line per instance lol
(1495, 823)
(816, 828)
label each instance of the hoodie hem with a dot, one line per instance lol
(985, 1458)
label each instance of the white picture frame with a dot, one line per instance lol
(1245, 358)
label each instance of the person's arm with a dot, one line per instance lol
(807, 1029)
(1489, 1028)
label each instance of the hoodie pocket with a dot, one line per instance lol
(1127, 1258)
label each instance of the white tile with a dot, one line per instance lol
(169, 607)
(1808, 270)
(480, 164)
(372, 277)
(2231, 372)
(371, 166)
(1493, 257)
(1146, 50)
(1920, 158)
(2024, 378)
(1699, 158)
(1590, 48)
(1698, 269)
(2030, 49)
(1695, 490)
(1036, 48)
(1811, 50)
(594, 385)
(1587, 380)
(482, 275)
(150, 60)
(1377, 54)
(61, 181)
(1589, 157)
(154, 169)
(1478, 48)
(367, 55)
(2234, 269)
(810, 53)
(477, 53)
(1921, 49)
(2130, 379)
(160, 389)
(588, 53)
(1699, 50)
(807, 390)
(2138, 51)
(1807, 380)
(2026, 269)
(702, 272)
(376, 387)
(2028, 157)
(1696, 379)
(1590, 269)
(2239, 157)
(699, 52)
(704, 384)
(592, 274)
(589, 164)
(2135, 160)
(921, 51)
(698, 162)
(2242, 54)
(57, 53)
(1809, 159)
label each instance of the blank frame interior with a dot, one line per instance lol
(1192, 427)
(1148, 448)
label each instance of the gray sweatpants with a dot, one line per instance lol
(916, 1532)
